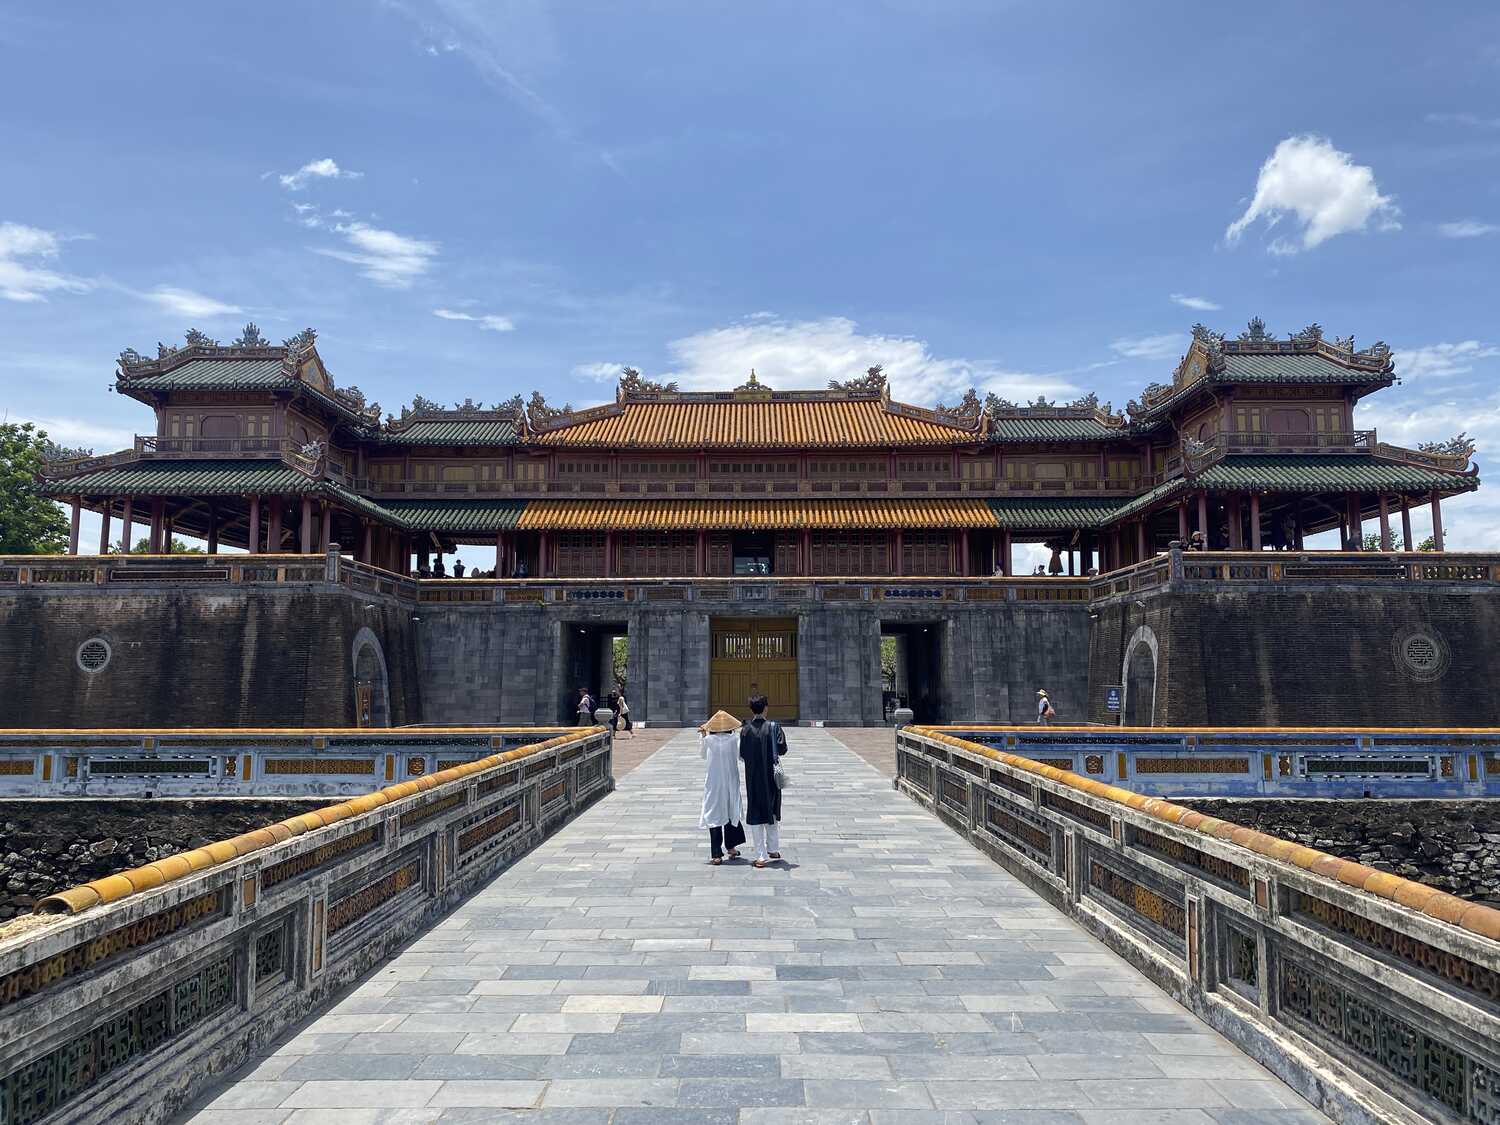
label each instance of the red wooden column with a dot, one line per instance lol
(1255, 521)
(253, 535)
(609, 554)
(1140, 540)
(1406, 543)
(158, 518)
(325, 536)
(1236, 532)
(1203, 516)
(1437, 521)
(127, 526)
(1356, 524)
(963, 553)
(700, 553)
(273, 533)
(367, 548)
(213, 530)
(900, 549)
(1005, 552)
(541, 554)
(1182, 522)
(109, 506)
(307, 516)
(1385, 521)
(502, 568)
(73, 525)
(807, 567)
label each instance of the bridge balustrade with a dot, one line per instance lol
(240, 763)
(1261, 762)
(160, 979)
(1374, 997)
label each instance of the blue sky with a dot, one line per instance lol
(473, 199)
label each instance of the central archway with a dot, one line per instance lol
(372, 696)
(1138, 676)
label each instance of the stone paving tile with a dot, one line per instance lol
(884, 973)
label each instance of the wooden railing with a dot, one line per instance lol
(1202, 454)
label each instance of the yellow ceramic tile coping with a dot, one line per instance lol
(112, 888)
(1429, 901)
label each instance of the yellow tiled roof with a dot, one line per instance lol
(787, 424)
(752, 515)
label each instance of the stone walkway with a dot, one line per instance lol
(886, 974)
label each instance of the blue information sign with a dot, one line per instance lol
(1112, 700)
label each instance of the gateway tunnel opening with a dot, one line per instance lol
(595, 656)
(911, 669)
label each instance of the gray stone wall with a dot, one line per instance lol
(47, 846)
(276, 657)
(1320, 656)
(1452, 845)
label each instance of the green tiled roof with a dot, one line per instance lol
(457, 516)
(454, 431)
(1047, 514)
(188, 478)
(215, 374)
(1302, 367)
(1304, 474)
(1055, 429)
(1328, 473)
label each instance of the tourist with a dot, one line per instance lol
(458, 568)
(625, 710)
(1044, 711)
(762, 743)
(438, 570)
(718, 746)
(612, 705)
(1195, 541)
(520, 568)
(585, 708)
(424, 571)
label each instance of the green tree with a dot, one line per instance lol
(620, 658)
(143, 547)
(30, 523)
(1372, 542)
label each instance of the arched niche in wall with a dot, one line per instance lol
(1138, 675)
(372, 696)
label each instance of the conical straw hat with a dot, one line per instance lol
(721, 723)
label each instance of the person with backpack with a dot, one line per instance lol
(1044, 711)
(585, 708)
(762, 745)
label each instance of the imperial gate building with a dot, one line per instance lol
(759, 536)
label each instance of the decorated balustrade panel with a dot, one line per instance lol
(152, 983)
(1376, 998)
(241, 763)
(1266, 762)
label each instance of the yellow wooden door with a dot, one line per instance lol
(750, 653)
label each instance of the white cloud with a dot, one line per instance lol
(385, 257)
(598, 372)
(1437, 360)
(801, 355)
(324, 169)
(1467, 228)
(1321, 188)
(82, 433)
(184, 302)
(1472, 120)
(489, 323)
(1202, 304)
(22, 278)
(1169, 345)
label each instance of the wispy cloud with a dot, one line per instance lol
(1202, 304)
(23, 277)
(385, 257)
(1467, 228)
(804, 354)
(1471, 120)
(1169, 345)
(324, 169)
(490, 323)
(602, 372)
(1321, 189)
(1436, 361)
(85, 433)
(185, 302)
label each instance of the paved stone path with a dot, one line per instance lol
(887, 974)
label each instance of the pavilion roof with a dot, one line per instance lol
(1053, 514)
(453, 429)
(1024, 427)
(1306, 475)
(752, 515)
(789, 420)
(457, 517)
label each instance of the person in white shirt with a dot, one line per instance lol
(719, 746)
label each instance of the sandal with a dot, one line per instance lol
(774, 855)
(758, 863)
(716, 862)
(735, 854)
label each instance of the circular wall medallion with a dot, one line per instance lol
(1422, 655)
(93, 655)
